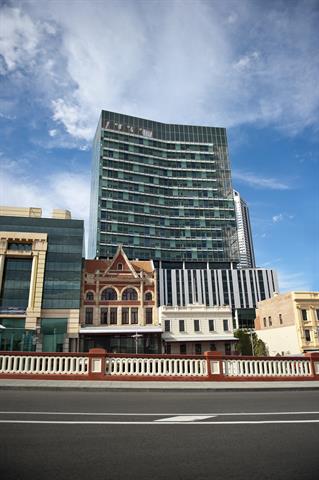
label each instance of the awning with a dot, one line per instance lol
(111, 330)
(199, 338)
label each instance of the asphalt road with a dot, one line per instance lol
(160, 435)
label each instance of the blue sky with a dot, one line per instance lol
(249, 66)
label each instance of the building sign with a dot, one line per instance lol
(128, 129)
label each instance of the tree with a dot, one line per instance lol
(249, 343)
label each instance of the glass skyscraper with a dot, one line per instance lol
(163, 191)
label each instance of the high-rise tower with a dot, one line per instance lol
(162, 191)
(245, 239)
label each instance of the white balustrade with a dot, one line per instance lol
(156, 367)
(44, 365)
(266, 368)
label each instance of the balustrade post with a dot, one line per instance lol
(97, 363)
(314, 360)
(214, 366)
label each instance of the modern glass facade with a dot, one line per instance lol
(162, 191)
(62, 277)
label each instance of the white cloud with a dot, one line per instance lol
(278, 218)
(293, 281)
(256, 181)
(226, 63)
(64, 190)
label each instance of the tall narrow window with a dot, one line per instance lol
(304, 315)
(265, 322)
(307, 335)
(198, 348)
(148, 316)
(225, 325)
(103, 315)
(125, 315)
(167, 325)
(211, 325)
(270, 321)
(196, 325)
(89, 316)
(134, 316)
(113, 316)
(181, 326)
(280, 318)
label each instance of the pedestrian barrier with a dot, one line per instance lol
(100, 365)
(156, 367)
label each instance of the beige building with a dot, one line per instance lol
(40, 280)
(196, 328)
(289, 323)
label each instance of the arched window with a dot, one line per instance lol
(89, 296)
(148, 296)
(129, 294)
(109, 294)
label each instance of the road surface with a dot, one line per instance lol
(160, 435)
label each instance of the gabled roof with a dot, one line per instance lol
(120, 258)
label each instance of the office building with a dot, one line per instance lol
(245, 239)
(241, 289)
(162, 191)
(289, 323)
(40, 280)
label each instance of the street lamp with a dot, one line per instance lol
(136, 336)
(251, 331)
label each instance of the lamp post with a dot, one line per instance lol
(136, 336)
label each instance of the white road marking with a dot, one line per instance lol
(184, 418)
(75, 422)
(114, 414)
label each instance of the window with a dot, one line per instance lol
(196, 325)
(109, 294)
(129, 294)
(120, 266)
(134, 316)
(212, 347)
(182, 348)
(269, 321)
(149, 316)
(304, 315)
(265, 322)
(280, 318)
(225, 325)
(89, 296)
(125, 315)
(307, 335)
(167, 325)
(211, 325)
(89, 316)
(181, 326)
(227, 348)
(317, 313)
(198, 348)
(148, 296)
(168, 349)
(113, 316)
(103, 315)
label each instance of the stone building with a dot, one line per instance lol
(289, 323)
(119, 305)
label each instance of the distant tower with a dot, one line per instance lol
(245, 239)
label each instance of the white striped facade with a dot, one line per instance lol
(238, 288)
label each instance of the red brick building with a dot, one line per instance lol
(119, 306)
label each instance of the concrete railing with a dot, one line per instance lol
(156, 367)
(43, 364)
(100, 365)
(267, 368)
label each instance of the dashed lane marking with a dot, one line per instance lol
(184, 418)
